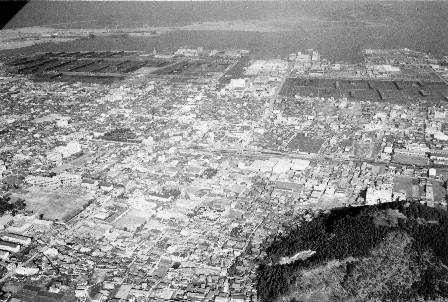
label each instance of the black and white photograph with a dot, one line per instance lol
(223, 151)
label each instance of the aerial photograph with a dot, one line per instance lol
(227, 151)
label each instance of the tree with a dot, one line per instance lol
(20, 204)
(209, 172)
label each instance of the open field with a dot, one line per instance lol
(132, 220)
(302, 143)
(54, 206)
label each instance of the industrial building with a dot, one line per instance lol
(102, 66)
(4, 255)
(9, 246)
(15, 238)
(365, 90)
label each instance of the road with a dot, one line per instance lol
(268, 111)
(277, 154)
(252, 234)
(440, 77)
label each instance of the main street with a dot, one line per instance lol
(270, 108)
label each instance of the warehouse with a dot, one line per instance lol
(15, 238)
(9, 246)
(4, 255)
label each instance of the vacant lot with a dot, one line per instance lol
(132, 220)
(54, 206)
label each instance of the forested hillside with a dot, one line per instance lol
(388, 252)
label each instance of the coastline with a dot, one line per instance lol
(28, 36)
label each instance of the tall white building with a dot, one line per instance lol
(237, 84)
(15, 238)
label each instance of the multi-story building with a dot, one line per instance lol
(15, 238)
(9, 246)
